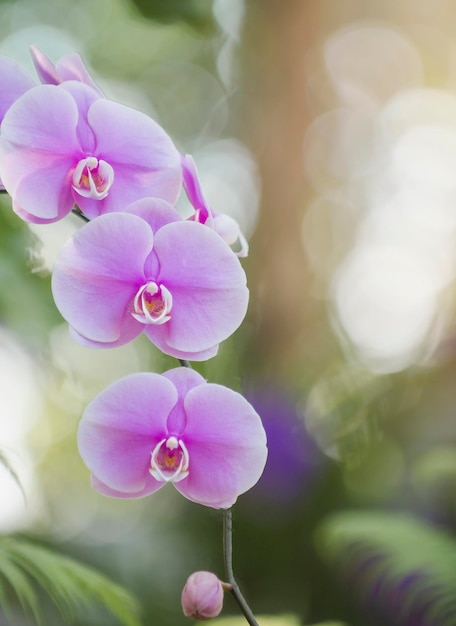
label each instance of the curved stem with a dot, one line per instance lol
(228, 555)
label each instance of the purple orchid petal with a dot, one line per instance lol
(194, 190)
(43, 119)
(151, 485)
(208, 286)
(118, 430)
(38, 147)
(226, 440)
(184, 379)
(145, 160)
(98, 273)
(155, 211)
(72, 67)
(84, 97)
(44, 67)
(14, 82)
(224, 225)
(129, 330)
(69, 67)
(38, 184)
(158, 338)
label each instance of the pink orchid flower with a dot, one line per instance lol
(149, 270)
(147, 430)
(65, 145)
(224, 225)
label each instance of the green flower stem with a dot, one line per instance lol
(228, 555)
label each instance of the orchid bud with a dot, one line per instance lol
(202, 596)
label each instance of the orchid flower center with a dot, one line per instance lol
(152, 304)
(169, 460)
(93, 178)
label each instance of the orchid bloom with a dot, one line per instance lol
(224, 225)
(147, 430)
(149, 270)
(69, 67)
(65, 145)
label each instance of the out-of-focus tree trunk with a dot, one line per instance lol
(276, 41)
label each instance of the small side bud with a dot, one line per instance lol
(202, 596)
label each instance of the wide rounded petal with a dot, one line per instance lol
(226, 443)
(84, 96)
(43, 119)
(184, 379)
(98, 273)
(158, 334)
(207, 283)
(145, 160)
(121, 427)
(14, 82)
(38, 148)
(151, 486)
(155, 211)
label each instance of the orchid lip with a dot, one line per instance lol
(169, 460)
(152, 304)
(93, 178)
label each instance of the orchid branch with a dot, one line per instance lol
(228, 557)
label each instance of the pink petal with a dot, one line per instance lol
(120, 428)
(38, 148)
(155, 211)
(38, 185)
(158, 336)
(14, 82)
(151, 486)
(42, 119)
(72, 67)
(193, 188)
(84, 97)
(145, 160)
(44, 67)
(98, 273)
(207, 283)
(184, 379)
(226, 443)
(69, 67)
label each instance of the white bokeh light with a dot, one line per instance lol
(386, 301)
(20, 390)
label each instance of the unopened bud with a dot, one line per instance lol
(202, 596)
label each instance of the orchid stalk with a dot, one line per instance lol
(136, 266)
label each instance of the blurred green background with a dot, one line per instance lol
(328, 130)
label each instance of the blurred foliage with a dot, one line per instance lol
(269, 620)
(402, 567)
(197, 13)
(6, 463)
(71, 585)
(25, 291)
(264, 620)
